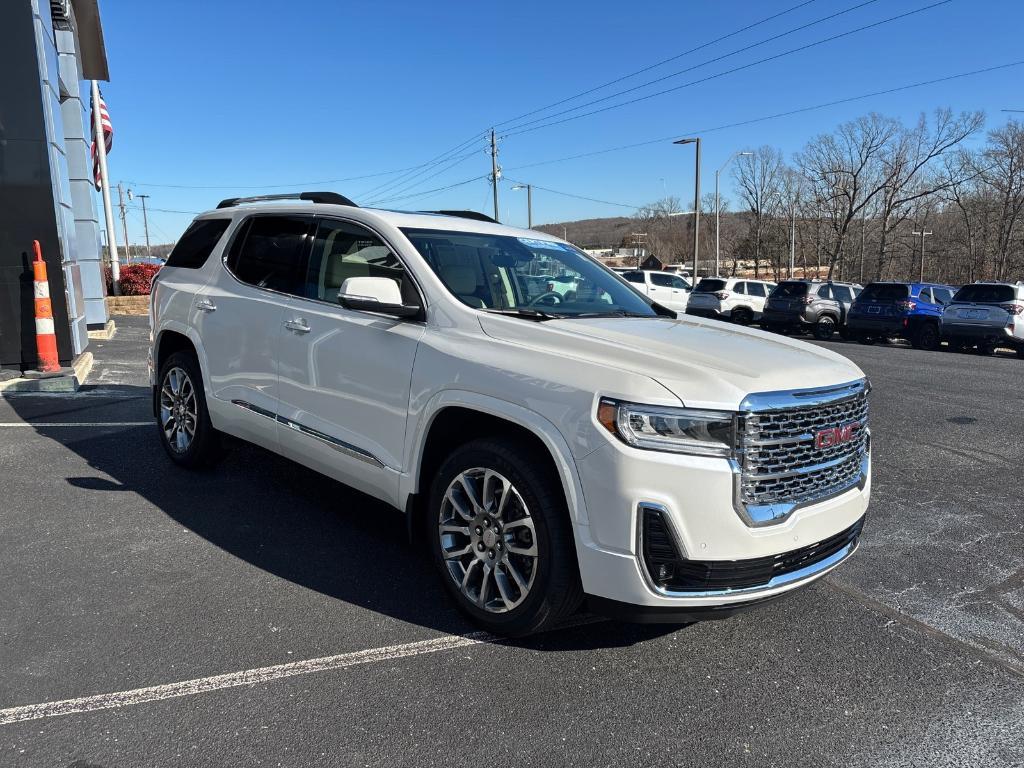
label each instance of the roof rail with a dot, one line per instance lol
(476, 216)
(314, 197)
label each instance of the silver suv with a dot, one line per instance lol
(988, 315)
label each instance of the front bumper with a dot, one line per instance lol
(695, 495)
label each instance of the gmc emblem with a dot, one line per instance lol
(826, 438)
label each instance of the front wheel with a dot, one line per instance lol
(824, 328)
(503, 541)
(742, 316)
(927, 337)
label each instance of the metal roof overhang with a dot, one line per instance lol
(92, 51)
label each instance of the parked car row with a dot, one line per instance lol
(985, 315)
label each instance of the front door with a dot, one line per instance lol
(669, 290)
(239, 317)
(345, 375)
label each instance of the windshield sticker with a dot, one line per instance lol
(529, 242)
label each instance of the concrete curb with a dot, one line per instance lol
(81, 366)
(106, 333)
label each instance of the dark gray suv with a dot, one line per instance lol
(810, 305)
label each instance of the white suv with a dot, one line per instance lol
(730, 298)
(548, 448)
(667, 289)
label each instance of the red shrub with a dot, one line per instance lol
(136, 279)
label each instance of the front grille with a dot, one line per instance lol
(781, 462)
(715, 575)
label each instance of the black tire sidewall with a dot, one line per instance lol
(202, 450)
(824, 329)
(544, 497)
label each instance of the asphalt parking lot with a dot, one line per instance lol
(273, 617)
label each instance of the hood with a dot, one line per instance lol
(705, 363)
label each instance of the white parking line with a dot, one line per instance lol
(235, 679)
(42, 424)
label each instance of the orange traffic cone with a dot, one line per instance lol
(46, 339)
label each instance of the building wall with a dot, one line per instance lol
(37, 201)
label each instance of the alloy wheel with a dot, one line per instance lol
(488, 540)
(178, 409)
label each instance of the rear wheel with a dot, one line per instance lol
(182, 417)
(503, 542)
(824, 328)
(927, 337)
(742, 316)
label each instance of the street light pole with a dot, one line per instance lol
(718, 208)
(529, 203)
(696, 202)
(922, 233)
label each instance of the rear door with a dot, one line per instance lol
(844, 299)
(345, 375)
(668, 290)
(758, 293)
(238, 317)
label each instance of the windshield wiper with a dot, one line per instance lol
(614, 313)
(530, 314)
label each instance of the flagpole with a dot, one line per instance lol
(101, 152)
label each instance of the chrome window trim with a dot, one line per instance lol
(340, 446)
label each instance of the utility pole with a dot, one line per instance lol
(863, 231)
(792, 238)
(529, 203)
(639, 240)
(124, 221)
(494, 173)
(922, 233)
(696, 203)
(145, 223)
(108, 212)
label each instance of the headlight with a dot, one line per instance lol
(676, 430)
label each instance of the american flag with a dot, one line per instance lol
(108, 137)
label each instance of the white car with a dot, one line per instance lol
(730, 298)
(551, 451)
(665, 288)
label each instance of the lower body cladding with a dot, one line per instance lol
(667, 543)
(1008, 335)
(710, 312)
(771, 318)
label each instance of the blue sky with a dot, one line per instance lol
(234, 94)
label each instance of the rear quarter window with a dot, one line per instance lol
(195, 246)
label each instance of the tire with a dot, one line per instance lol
(181, 387)
(824, 328)
(741, 316)
(866, 338)
(844, 333)
(927, 337)
(525, 593)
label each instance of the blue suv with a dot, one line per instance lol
(911, 311)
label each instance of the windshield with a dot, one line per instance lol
(709, 285)
(505, 273)
(884, 292)
(787, 290)
(983, 292)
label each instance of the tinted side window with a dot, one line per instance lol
(942, 295)
(678, 282)
(739, 288)
(756, 289)
(663, 280)
(268, 252)
(198, 242)
(633, 277)
(842, 293)
(342, 250)
(824, 292)
(926, 295)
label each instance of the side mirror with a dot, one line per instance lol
(375, 294)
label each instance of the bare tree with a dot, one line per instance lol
(1003, 174)
(760, 179)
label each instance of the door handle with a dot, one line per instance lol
(205, 305)
(299, 325)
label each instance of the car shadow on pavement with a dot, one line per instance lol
(293, 523)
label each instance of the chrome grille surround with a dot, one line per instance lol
(778, 468)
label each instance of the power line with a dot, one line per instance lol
(407, 186)
(704, 63)
(423, 168)
(438, 189)
(734, 69)
(578, 197)
(273, 186)
(657, 64)
(775, 116)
